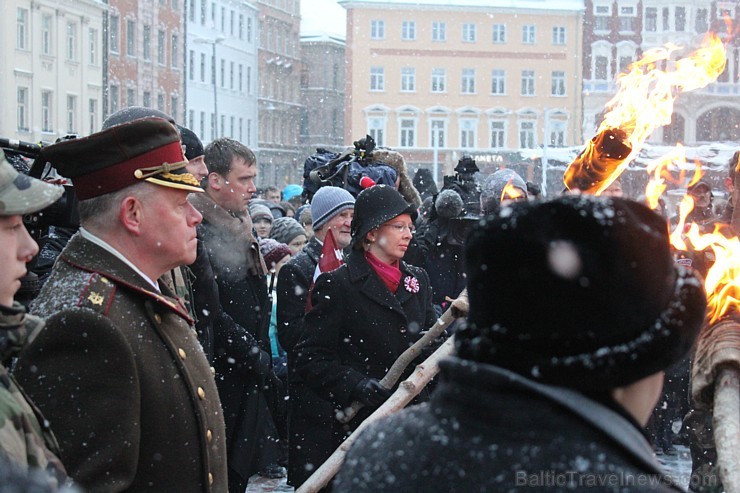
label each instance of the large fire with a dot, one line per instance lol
(643, 103)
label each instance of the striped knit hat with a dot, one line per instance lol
(327, 202)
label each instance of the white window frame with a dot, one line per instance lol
(469, 32)
(498, 34)
(47, 37)
(114, 34)
(528, 141)
(501, 133)
(438, 132)
(467, 81)
(468, 133)
(130, 38)
(557, 85)
(528, 83)
(92, 113)
(407, 134)
(377, 29)
(558, 36)
(377, 79)
(439, 31)
(22, 20)
(439, 80)
(498, 82)
(408, 30)
(71, 113)
(71, 42)
(22, 111)
(408, 79)
(604, 11)
(47, 121)
(377, 127)
(529, 34)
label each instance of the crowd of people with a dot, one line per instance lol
(195, 331)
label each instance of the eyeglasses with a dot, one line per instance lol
(402, 227)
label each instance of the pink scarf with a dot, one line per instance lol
(390, 274)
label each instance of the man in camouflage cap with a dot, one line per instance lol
(118, 370)
(25, 437)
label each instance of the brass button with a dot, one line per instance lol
(210, 479)
(201, 393)
(104, 280)
(182, 354)
(157, 318)
(209, 435)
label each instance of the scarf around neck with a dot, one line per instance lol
(390, 274)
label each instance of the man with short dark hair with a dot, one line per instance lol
(118, 369)
(241, 339)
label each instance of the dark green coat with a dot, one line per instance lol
(120, 375)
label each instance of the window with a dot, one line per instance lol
(376, 130)
(113, 99)
(666, 19)
(499, 33)
(701, 25)
(240, 76)
(249, 29)
(160, 102)
(191, 118)
(22, 29)
(191, 65)
(231, 75)
(498, 134)
(408, 132)
(627, 19)
(115, 41)
(174, 107)
(558, 35)
(71, 114)
(601, 17)
(22, 115)
(202, 67)
(241, 26)
(160, 47)
(624, 63)
(213, 14)
(439, 80)
(249, 80)
(651, 19)
(408, 30)
(46, 37)
(130, 97)
(527, 82)
(377, 29)
(601, 68)
(71, 41)
(439, 130)
(46, 111)
(146, 49)
(202, 132)
(526, 135)
(130, 38)
(213, 70)
(408, 79)
(223, 74)
(528, 34)
(439, 31)
(557, 133)
(377, 82)
(231, 31)
(558, 84)
(174, 51)
(223, 19)
(680, 19)
(147, 99)
(468, 81)
(231, 126)
(468, 33)
(93, 47)
(468, 127)
(191, 11)
(92, 116)
(203, 11)
(498, 82)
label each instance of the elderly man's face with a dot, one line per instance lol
(702, 196)
(168, 227)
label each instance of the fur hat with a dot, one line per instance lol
(273, 251)
(581, 292)
(375, 206)
(329, 201)
(395, 160)
(449, 204)
(493, 188)
(285, 229)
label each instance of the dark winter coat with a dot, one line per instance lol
(356, 329)
(119, 373)
(241, 342)
(307, 412)
(488, 429)
(443, 261)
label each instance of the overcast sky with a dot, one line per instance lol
(322, 16)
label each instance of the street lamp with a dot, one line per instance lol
(213, 43)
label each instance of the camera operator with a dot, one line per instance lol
(464, 183)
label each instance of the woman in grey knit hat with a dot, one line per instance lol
(289, 231)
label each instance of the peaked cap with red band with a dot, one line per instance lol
(142, 150)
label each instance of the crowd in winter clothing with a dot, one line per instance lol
(196, 331)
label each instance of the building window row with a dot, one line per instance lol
(525, 126)
(146, 53)
(72, 123)
(469, 32)
(72, 40)
(468, 79)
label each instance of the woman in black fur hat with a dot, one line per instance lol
(365, 314)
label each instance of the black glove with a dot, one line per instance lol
(370, 392)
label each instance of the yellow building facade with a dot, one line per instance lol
(464, 77)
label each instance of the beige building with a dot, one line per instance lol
(51, 77)
(436, 79)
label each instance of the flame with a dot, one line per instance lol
(644, 102)
(510, 192)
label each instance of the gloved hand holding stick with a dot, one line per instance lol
(458, 308)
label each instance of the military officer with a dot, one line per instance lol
(118, 370)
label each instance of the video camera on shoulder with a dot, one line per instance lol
(62, 213)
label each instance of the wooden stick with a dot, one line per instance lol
(726, 421)
(408, 389)
(403, 361)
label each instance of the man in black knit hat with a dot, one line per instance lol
(576, 308)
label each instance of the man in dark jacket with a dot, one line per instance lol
(576, 308)
(332, 209)
(118, 370)
(240, 332)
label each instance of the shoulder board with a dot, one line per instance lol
(97, 294)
